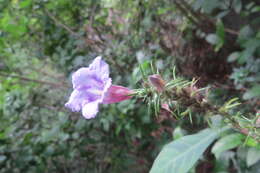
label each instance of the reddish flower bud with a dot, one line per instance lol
(166, 107)
(157, 82)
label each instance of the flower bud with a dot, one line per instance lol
(157, 82)
(166, 107)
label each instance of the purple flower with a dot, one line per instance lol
(93, 86)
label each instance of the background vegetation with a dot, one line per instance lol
(42, 42)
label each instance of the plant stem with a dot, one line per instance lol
(57, 85)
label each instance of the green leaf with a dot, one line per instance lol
(2, 158)
(237, 5)
(178, 133)
(206, 5)
(251, 142)
(252, 93)
(216, 121)
(223, 162)
(180, 155)
(212, 39)
(220, 30)
(221, 35)
(217, 39)
(226, 143)
(25, 3)
(253, 156)
(255, 9)
(233, 56)
(245, 33)
(50, 135)
(141, 72)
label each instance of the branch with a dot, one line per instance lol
(56, 85)
(198, 18)
(185, 12)
(59, 23)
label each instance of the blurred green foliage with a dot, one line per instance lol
(42, 42)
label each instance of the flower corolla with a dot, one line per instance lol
(93, 86)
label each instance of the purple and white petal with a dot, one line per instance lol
(101, 67)
(76, 100)
(106, 87)
(90, 110)
(85, 78)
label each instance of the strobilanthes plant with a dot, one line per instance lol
(92, 86)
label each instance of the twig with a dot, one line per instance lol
(185, 13)
(195, 17)
(59, 23)
(231, 31)
(184, 97)
(46, 73)
(235, 124)
(33, 80)
(195, 14)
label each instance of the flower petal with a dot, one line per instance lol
(76, 100)
(107, 85)
(90, 110)
(100, 66)
(84, 77)
(95, 75)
